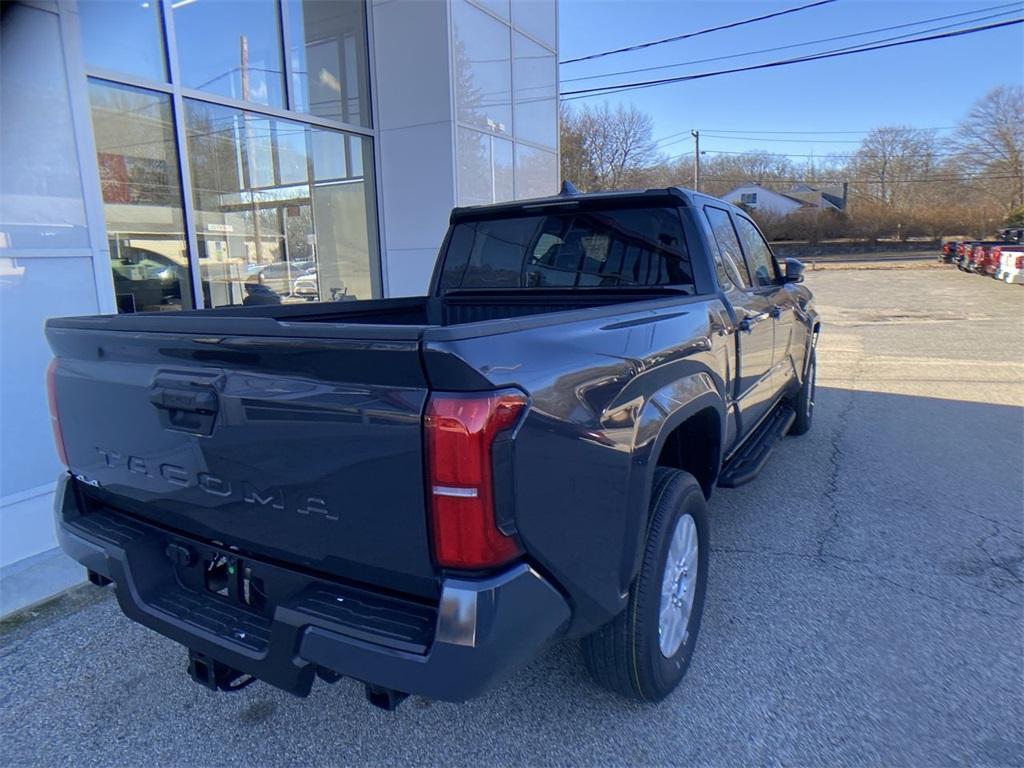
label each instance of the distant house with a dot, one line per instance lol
(800, 197)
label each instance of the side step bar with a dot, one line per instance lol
(753, 455)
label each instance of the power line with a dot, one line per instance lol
(757, 136)
(823, 182)
(605, 90)
(1005, 7)
(936, 155)
(687, 35)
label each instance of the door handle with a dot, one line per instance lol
(746, 324)
(775, 312)
(191, 400)
(185, 410)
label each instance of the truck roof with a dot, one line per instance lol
(569, 196)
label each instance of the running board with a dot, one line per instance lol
(753, 455)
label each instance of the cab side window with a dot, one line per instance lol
(759, 255)
(730, 257)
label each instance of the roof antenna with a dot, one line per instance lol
(568, 189)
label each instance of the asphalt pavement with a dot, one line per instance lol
(864, 604)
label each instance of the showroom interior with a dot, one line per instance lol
(164, 155)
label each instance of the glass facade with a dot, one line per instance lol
(208, 203)
(506, 97)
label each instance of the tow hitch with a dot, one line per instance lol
(211, 674)
(384, 698)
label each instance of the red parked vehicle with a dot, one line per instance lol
(993, 253)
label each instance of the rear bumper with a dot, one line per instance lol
(481, 629)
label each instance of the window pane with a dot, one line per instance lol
(485, 168)
(501, 153)
(483, 69)
(343, 231)
(536, 172)
(602, 248)
(41, 204)
(230, 47)
(536, 18)
(123, 36)
(759, 256)
(284, 212)
(474, 169)
(329, 59)
(728, 245)
(497, 7)
(137, 158)
(535, 76)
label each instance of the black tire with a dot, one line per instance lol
(624, 655)
(803, 403)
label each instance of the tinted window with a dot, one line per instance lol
(759, 255)
(728, 247)
(610, 248)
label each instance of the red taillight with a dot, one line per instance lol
(51, 398)
(461, 430)
(1019, 264)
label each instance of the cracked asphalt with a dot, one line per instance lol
(864, 603)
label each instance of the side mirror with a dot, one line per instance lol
(794, 271)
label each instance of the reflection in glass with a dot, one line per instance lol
(284, 212)
(41, 205)
(329, 59)
(483, 69)
(137, 158)
(497, 7)
(123, 37)
(230, 48)
(485, 168)
(536, 18)
(536, 92)
(501, 157)
(536, 172)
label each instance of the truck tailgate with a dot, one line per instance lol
(302, 449)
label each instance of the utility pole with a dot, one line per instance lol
(696, 160)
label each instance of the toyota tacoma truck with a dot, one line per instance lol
(423, 493)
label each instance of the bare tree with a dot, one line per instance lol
(990, 141)
(602, 148)
(892, 161)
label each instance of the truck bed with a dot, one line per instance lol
(403, 318)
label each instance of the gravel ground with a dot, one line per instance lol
(864, 604)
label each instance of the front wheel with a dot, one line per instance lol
(803, 403)
(644, 652)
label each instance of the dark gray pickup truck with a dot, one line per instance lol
(421, 493)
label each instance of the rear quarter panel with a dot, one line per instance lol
(601, 391)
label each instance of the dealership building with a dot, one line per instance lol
(159, 155)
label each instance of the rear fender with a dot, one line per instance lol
(661, 414)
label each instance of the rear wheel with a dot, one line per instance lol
(644, 652)
(803, 403)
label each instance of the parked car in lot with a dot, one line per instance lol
(422, 493)
(1011, 264)
(948, 253)
(976, 255)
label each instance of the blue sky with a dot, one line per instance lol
(925, 85)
